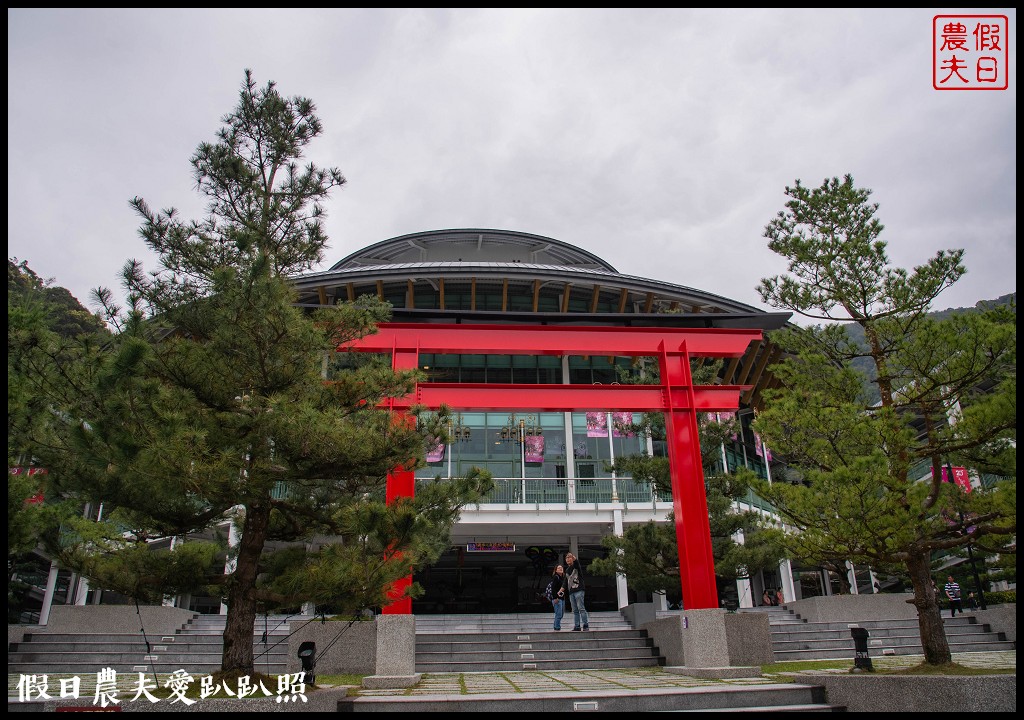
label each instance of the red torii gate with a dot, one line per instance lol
(676, 397)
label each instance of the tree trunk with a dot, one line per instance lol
(241, 597)
(929, 615)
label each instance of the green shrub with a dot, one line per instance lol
(1001, 597)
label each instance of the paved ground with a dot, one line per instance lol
(647, 678)
(582, 681)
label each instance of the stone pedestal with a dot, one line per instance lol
(713, 643)
(396, 653)
(703, 641)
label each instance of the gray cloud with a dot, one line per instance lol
(660, 140)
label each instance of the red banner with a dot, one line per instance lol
(960, 477)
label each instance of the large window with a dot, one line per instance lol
(530, 369)
(591, 447)
(493, 442)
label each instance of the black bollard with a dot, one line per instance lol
(307, 654)
(861, 660)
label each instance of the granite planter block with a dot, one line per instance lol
(341, 647)
(712, 639)
(943, 694)
(749, 637)
(639, 614)
(113, 619)
(16, 633)
(855, 608)
(1001, 618)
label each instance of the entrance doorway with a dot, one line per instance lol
(462, 582)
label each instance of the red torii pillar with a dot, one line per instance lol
(676, 397)
(401, 483)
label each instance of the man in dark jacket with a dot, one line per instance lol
(574, 583)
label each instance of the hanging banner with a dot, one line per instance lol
(960, 477)
(619, 422)
(597, 424)
(534, 448)
(436, 454)
(725, 417)
(761, 450)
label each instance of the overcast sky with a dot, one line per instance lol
(660, 140)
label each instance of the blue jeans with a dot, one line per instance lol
(579, 612)
(559, 610)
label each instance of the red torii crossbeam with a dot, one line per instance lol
(676, 396)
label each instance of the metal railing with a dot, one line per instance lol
(510, 491)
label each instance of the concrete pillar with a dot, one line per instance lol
(788, 585)
(81, 591)
(611, 457)
(851, 576)
(170, 600)
(570, 455)
(743, 587)
(51, 586)
(745, 591)
(621, 591)
(649, 445)
(229, 564)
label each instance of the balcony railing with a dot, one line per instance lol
(509, 491)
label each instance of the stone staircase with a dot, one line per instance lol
(794, 638)
(195, 647)
(516, 642)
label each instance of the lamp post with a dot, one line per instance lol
(970, 551)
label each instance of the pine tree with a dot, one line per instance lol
(870, 473)
(211, 405)
(45, 326)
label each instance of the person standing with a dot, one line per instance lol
(558, 595)
(953, 593)
(576, 586)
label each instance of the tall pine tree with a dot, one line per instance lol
(871, 473)
(211, 403)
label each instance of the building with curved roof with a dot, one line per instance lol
(554, 487)
(488, 276)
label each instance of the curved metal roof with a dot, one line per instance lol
(512, 265)
(473, 245)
